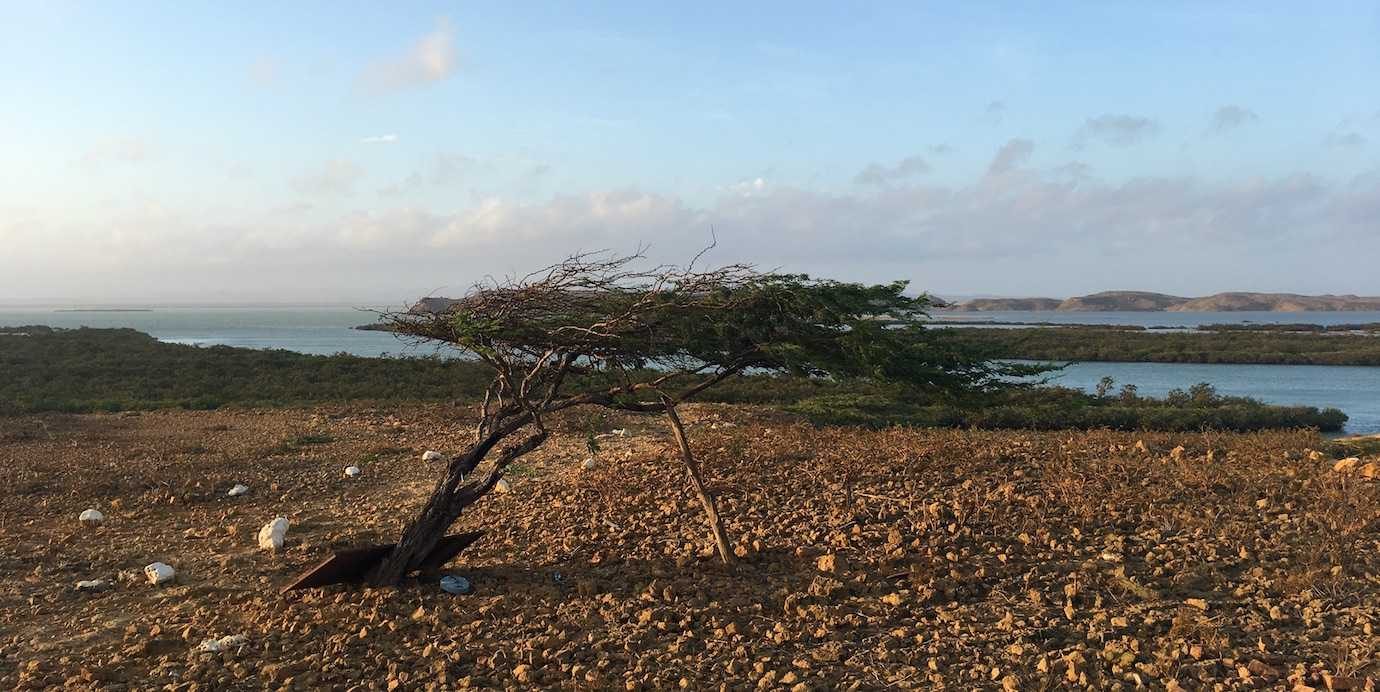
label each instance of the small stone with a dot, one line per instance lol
(159, 573)
(352, 471)
(1346, 464)
(91, 517)
(93, 585)
(273, 534)
(827, 563)
(588, 464)
(432, 455)
(502, 487)
(238, 490)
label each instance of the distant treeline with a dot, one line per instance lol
(90, 370)
(1270, 345)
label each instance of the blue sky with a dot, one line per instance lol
(360, 152)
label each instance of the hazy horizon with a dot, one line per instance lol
(156, 154)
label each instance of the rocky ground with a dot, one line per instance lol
(897, 558)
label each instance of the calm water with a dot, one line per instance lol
(322, 331)
(1355, 390)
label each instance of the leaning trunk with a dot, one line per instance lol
(453, 493)
(716, 527)
(420, 537)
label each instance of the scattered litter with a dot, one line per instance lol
(457, 585)
(238, 490)
(91, 517)
(159, 573)
(352, 471)
(272, 535)
(502, 486)
(92, 585)
(432, 455)
(210, 646)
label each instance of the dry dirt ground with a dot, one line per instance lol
(886, 559)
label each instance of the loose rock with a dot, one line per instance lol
(159, 573)
(91, 517)
(273, 534)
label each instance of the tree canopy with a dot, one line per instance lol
(595, 314)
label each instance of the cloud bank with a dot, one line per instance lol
(1015, 230)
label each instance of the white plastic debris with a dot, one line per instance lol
(92, 585)
(352, 471)
(238, 490)
(231, 641)
(91, 517)
(432, 455)
(502, 486)
(272, 535)
(620, 432)
(159, 573)
(588, 464)
(455, 584)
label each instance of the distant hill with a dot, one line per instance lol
(1276, 302)
(1142, 301)
(1121, 301)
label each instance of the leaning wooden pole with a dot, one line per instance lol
(716, 527)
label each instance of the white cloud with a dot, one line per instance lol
(1115, 130)
(1230, 117)
(431, 59)
(1020, 229)
(379, 139)
(1010, 155)
(333, 178)
(878, 174)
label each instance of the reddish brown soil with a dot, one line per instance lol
(908, 559)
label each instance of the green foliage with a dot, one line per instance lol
(1258, 345)
(1056, 408)
(86, 370)
(609, 318)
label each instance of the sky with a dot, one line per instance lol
(349, 152)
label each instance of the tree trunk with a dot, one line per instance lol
(716, 528)
(420, 537)
(450, 497)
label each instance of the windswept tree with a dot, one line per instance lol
(601, 330)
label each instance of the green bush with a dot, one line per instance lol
(89, 370)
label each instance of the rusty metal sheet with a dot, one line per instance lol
(353, 564)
